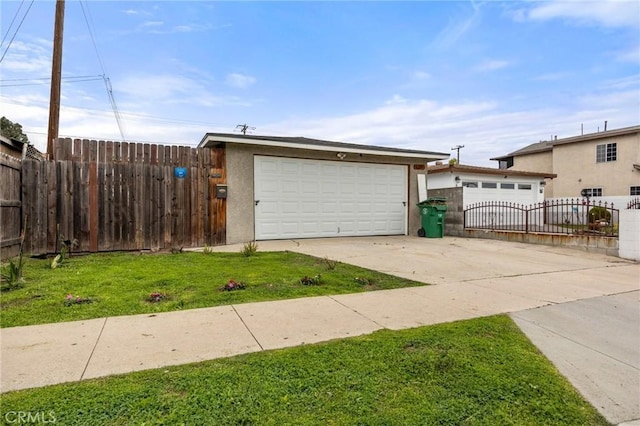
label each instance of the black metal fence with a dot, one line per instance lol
(633, 204)
(569, 216)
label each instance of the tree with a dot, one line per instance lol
(12, 130)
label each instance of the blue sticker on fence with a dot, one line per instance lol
(180, 172)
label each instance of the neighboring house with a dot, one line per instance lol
(486, 184)
(603, 164)
(12, 147)
(294, 187)
(17, 149)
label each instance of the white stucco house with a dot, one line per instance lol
(481, 184)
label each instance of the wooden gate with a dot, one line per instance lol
(10, 206)
(124, 196)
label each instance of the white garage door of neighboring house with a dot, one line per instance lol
(298, 198)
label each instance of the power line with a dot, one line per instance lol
(11, 24)
(16, 32)
(190, 123)
(107, 82)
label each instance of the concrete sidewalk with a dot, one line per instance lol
(473, 278)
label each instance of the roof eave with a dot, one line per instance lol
(210, 140)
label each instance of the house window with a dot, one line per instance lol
(491, 185)
(606, 152)
(469, 184)
(634, 190)
(508, 185)
(524, 186)
(592, 192)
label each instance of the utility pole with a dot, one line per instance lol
(457, 148)
(56, 79)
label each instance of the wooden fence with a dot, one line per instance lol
(124, 196)
(10, 206)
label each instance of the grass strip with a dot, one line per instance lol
(103, 285)
(475, 372)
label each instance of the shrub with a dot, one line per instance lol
(249, 249)
(310, 280)
(599, 213)
(329, 263)
(11, 275)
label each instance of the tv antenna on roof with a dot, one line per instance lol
(242, 128)
(457, 148)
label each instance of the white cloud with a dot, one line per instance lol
(491, 65)
(608, 13)
(31, 58)
(241, 81)
(484, 127)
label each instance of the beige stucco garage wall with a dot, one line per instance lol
(240, 199)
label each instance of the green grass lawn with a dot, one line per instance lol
(477, 372)
(120, 283)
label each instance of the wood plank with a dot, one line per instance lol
(117, 207)
(109, 208)
(10, 162)
(52, 205)
(86, 150)
(153, 154)
(146, 153)
(102, 151)
(76, 153)
(130, 244)
(103, 204)
(154, 217)
(108, 152)
(147, 223)
(162, 211)
(169, 206)
(93, 206)
(124, 152)
(84, 229)
(66, 149)
(117, 152)
(140, 201)
(132, 152)
(42, 207)
(93, 151)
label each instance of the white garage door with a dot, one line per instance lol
(298, 198)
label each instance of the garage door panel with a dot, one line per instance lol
(318, 198)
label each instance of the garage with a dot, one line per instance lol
(292, 187)
(306, 198)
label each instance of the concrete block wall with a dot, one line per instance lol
(454, 220)
(629, 235)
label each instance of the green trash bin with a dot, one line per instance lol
(432, 212)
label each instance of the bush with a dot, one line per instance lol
(249, 249)
(599, 213)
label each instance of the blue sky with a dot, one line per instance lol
(493, 76)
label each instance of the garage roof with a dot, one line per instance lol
(459, 168)
(216, 139)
